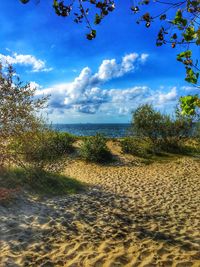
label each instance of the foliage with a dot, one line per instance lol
(147, 122)
(189, 104)
(94, 149)
(44, 149)
(192, 146)
(18, 111)
(197, 131)
(49, 184)
(137, 146)
(164, 132)
(80, 9)
(186, 58)
(179, 26)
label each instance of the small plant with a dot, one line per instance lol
(137, 147)
(95, 149)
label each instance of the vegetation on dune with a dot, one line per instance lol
(27, 143)
(95, 149)
(164, 131)
(155, 133)
(44, 149)
(49, 183)
(32, 155)
(25, 140)
(18, 113)
(137, 146)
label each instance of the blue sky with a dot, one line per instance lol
(90, 81)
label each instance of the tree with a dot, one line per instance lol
(25, 138)
(18, 112)
(179, 25)
(147, 122)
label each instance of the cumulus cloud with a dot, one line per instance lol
(144, 57)
(85, 94)
(106, 101)
(25, 60)
(110, 68)
(167, 97)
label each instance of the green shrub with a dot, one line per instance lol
(166, 133)
(43, 149)
(95, 149)
(137, 147)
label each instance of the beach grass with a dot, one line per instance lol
(39, 181)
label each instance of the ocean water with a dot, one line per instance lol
(109, 130)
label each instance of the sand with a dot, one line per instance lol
(131, 215)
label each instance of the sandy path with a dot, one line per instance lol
(131, 216)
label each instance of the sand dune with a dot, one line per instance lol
(130, 216)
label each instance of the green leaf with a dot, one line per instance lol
(97, 19)
(189, 104)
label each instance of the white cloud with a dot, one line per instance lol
(128, 63)
(144, 57)
(167, 97)
(85, 95)
(107, 70)
(106, 101)
(25, 60)
(110, 69)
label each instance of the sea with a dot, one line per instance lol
(90, 129)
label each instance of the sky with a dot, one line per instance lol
(98, 81)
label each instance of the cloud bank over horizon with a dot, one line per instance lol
(87, 94)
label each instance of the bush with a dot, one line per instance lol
(165, 133)
(94, 149)
(44, 148)
(137, 147)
